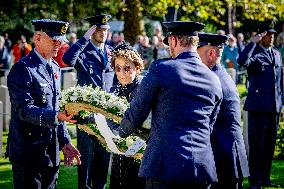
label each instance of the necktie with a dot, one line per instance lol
(49, 70)
(101, 51)
(270, 54)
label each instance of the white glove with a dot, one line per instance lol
(90, 32)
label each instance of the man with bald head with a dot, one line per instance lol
(226, 139)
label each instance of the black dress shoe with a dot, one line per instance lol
(272, 185)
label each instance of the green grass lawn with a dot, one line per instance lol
(68, 175)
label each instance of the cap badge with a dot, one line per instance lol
(64, 29)
(105, 19)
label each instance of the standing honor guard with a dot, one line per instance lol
(226, 139)
(91, 58)
(37, 130)
(263, 102)
(183, 94)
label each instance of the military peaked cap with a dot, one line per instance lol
(267, 26)
(212, 39)
(53, 28)
(189, 28)
(100, 20)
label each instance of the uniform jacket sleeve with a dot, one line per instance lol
(214, 113)
(20, 86)
(245, 57)
(63, 135)
(72, 54)
(141, 104)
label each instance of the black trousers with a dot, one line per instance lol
(34, 177)
(262, 132)
(124, 173)
(160, 184)
(228, 184)
(92, 173)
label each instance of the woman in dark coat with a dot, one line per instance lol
(127, 65)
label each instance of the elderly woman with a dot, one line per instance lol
(127, 65)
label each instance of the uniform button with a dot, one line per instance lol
(256, 91)
(30, 134)
(41, 134)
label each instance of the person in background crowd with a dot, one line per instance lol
(5, 57)
(280, 35)
(37, 130)
(64, 47)
(280, 47)
(158, 32)
(229, 57)
(115, 39)
(138, 41)
(226, 139)
(154, 43)
(178, 153)
(21, 49)
(72, 39)
(146, 52)
(8, 42)
(240, 42)
(91, 59)
(263, 102)
(121, 37)
(163, 50)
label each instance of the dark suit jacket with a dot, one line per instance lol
(265, 78)
(183, 94)
(92, 68)
(226, 138)
(35, 136)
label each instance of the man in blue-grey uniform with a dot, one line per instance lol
(263, 103)
(226, 139)
(91, 58)
(184, 95)
(37, 130)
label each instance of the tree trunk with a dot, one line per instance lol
(231, 22)
(132, 21)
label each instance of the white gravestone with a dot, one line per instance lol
(4, 97)
(1, 128)
(69, 79)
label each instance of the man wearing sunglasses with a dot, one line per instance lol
(37, 130)
(91, 59)
(183, 95)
